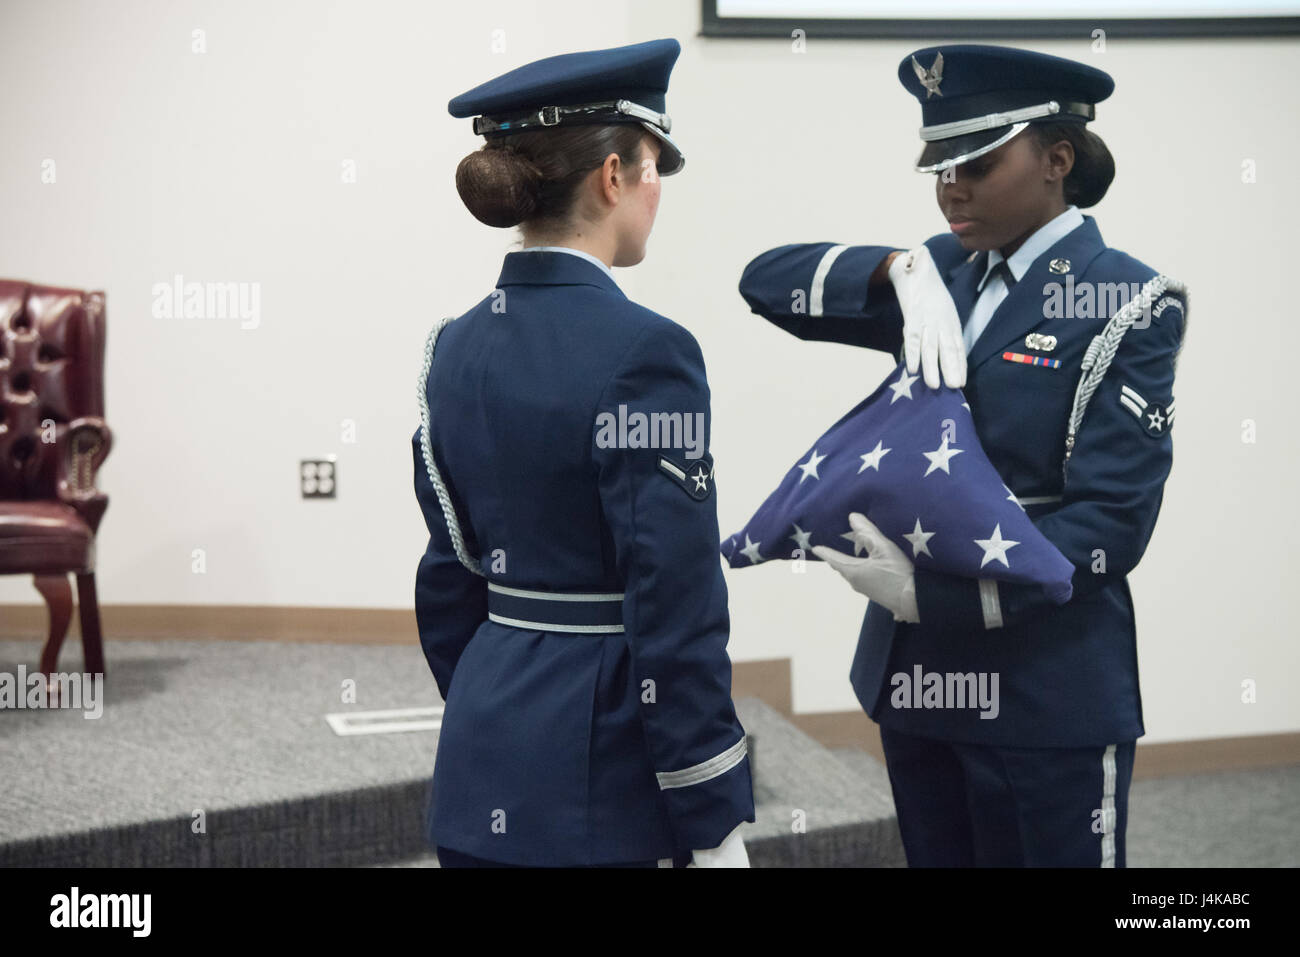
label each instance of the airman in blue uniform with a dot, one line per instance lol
(1066, 351)
(571, 603)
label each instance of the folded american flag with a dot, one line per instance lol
(908, 458)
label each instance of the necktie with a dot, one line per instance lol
(1003, 270)
(965, 293)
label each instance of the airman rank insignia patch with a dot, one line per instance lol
(1154, 419)
(693, 476)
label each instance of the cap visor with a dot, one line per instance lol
(671, 159)
(941, 154)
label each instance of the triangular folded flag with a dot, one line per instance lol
(908, 458)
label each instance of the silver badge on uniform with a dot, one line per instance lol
(1037, 340)
(1059, 266)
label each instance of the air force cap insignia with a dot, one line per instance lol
(931, 78)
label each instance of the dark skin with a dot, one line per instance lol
(1006, 194)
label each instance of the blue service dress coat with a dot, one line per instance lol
(1068, 674)
(588, 713)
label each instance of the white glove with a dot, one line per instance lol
(730, 853)
(931, 327)
(885, 576)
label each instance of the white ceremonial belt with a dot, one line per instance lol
(577, 613)
(556, 626)
(556, 595)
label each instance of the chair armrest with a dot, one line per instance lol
(86, 444)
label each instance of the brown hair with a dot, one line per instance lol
(534, 175)
(1094, 167)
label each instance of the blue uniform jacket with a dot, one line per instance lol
(1067, 675)
(575, 748)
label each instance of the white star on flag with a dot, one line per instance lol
(902, 387)
(872, 459)
(810, 467)
(1011, 496)
(918, 538)
(995, 548)
(802, 539)
(940, 456)
(858, 543)
(750, 551)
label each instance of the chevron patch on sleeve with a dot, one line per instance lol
(693, 476)
(1155, 418)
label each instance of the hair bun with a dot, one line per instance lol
(1094, 171)
(499, 185)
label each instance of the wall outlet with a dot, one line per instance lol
(318, 477)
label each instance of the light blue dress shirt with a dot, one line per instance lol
(993, 290)
(577, 252)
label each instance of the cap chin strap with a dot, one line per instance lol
(986, 148)
(991, 121)
(606, 111)
(578, 113)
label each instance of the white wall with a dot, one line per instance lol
(225, 166)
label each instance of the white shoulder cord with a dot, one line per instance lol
(444, 500)
(1103, 346)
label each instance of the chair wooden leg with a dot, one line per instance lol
(58, 599)
(92, 643)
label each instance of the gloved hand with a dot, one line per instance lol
(931, 327)
(884, 576)
(730, 853)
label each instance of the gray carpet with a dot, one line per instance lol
(237, 730)
(1225, 819)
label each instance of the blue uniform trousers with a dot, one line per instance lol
(971, 805)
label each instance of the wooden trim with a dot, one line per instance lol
(359, 626)
(1216, 754)
(769, 680)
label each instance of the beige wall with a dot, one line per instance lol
(225, 166)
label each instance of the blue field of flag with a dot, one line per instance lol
(908, 458)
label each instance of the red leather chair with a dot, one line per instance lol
(52, 441)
